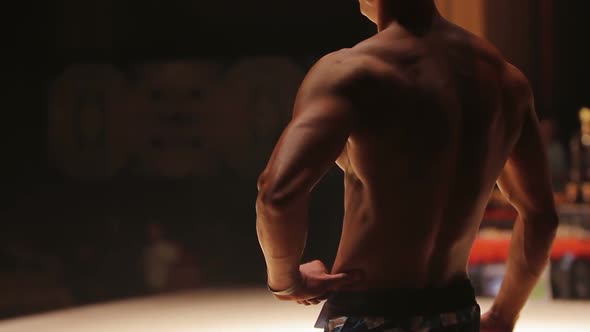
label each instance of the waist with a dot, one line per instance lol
(400, 303)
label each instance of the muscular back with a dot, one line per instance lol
(436, 117)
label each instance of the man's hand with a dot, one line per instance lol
(491, 323)
(316, 283)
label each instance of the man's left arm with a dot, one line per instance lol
(309, 146)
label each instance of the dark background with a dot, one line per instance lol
(213, 216)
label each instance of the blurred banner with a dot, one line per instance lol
(174, 119)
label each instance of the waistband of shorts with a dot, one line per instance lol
(399, 303)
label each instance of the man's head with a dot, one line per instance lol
(409, 12)
(369, 8)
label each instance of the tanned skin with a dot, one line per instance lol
(424, 119)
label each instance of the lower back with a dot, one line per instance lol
(408, 245)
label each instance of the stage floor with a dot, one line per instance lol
(245, 310)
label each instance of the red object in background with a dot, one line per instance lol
(489, 251)
(576, 247)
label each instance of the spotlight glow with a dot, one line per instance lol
(246, 311)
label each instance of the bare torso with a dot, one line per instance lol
(433, 133)
(423, 126)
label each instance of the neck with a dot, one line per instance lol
(414, 15)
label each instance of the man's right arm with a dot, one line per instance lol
(525, 181)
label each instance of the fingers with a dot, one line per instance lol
(309, 302)
(335, 277)
(323, 297)
(337, 281)
(353, 276)
(314, 301)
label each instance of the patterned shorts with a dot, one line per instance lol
(452, 307)
(465, 320)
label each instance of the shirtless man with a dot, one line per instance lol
(424, 119)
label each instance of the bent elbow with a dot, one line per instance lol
(270, 198)
(547, 219)
(274, 199)
(267, 194)
(262, 180)
(276, 194)
(553, 219)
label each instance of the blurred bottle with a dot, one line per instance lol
(578, 189)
